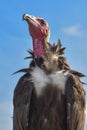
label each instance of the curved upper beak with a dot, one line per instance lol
(30, 19)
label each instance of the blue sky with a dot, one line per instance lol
(67, 21)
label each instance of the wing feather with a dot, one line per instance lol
(75, 104)
(21, 102)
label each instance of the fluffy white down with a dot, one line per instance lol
(40, 79)
(59, 79)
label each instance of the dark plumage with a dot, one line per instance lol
(50, 95)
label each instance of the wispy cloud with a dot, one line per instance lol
(74, 30)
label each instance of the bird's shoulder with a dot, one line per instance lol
(23, 90)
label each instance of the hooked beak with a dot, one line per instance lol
(30, 19)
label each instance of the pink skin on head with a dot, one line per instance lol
(39, 30)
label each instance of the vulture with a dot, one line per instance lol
(50, 95)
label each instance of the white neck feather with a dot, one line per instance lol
(41, 79)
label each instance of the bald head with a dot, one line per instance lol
(38, 27)
(39, 31)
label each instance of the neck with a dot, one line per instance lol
(38, 47)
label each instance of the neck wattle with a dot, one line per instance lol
(38, 47)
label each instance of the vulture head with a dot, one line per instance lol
(39, 31)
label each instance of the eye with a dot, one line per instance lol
(42, 22)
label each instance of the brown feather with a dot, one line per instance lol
(61, 51)
(25, 70)
(80, 75)
(59, 44)
(75, 101)
(21, 101)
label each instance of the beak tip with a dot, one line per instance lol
(23, 17)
